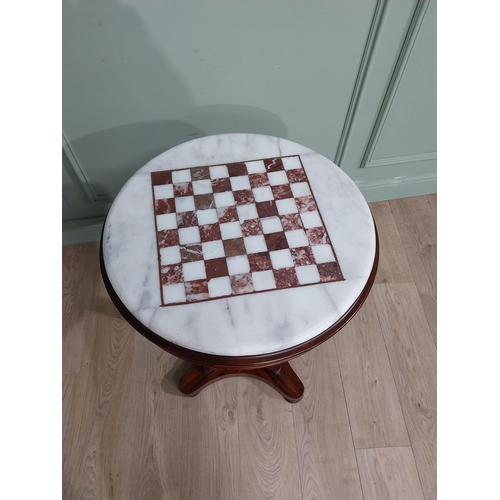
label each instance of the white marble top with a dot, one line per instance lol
(239, 244)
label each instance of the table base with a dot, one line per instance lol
(281, 377)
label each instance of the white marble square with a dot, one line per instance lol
(291, 163)
(307, 274)
(224, 199)
(218, 287)
(194, 270)
(213, 249)
(247, 212)
(189, 235)
(179, 176)
(202, 187)
(271, 225)
(263, 194)
(263, 280)
(230, 230)
(300, 189)
(207, 216)
(174, 293)
(240, 182)
(287, 206)
(323, 253)
(255, 167)
(218, 172)
(311, 219)
(238, 265)
(184, 204)
(255, 244)
(277, 178)
(170, 255)
(166, 221)
(164, 191)
(297, 238)
(281, 258)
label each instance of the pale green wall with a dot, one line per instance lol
(140, 77)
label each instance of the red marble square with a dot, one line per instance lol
(227, 214)
(215, 268)
(266, 208)
(317, 236)
(273, 164)
(241, 283)
(296, 175)
(200, 173)
(221, 185)
(281, 192)
(196, 290)
(210, 232)
(187, 219)
(171, 275)
(258, 180)
(243, 197)
(306, 204)
(204, 201)
(236, 169)
(168, 238)
(191, 252)
(159, 178)
(291, 222)
(183, 189)
(251, 227)
(286, 277)
(234, 247)
(276, 241)
(302, 256)
(260, 262)
(165, 206)
(330, 271)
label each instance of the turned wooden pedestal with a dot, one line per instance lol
(281, 377)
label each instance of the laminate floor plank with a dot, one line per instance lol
(412, 353)
(375, 412)
(96, 415)
(211, 448)
(389, 474)
(417, 226)
(153, 435)
(80, 275)
(327, 461)
(432, 199)
(268, 453)
(393, 265)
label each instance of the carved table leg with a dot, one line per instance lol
(281, 377)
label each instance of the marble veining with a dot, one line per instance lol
(210, 210)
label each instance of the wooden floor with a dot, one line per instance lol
(366, 428)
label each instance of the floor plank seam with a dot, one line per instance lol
(392, 368)
(348, 418)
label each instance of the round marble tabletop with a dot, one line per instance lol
(239, 245)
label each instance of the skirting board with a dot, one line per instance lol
(89, 230)
(398, 187)
(82, 231)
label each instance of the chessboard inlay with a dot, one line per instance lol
(239, 228)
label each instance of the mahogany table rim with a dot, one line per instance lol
(208, 368)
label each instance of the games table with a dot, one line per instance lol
(238, 253)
